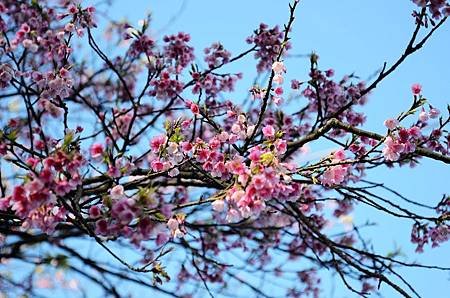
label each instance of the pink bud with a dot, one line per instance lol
(194, 108)
(416, 89)
(96, 151)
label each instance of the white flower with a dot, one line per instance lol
(278, 79)
(117, 192)
(250, 130)
(174, 172)
(278, 67)
(172, 224)
(218, 205)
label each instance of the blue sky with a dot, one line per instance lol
(349, 36)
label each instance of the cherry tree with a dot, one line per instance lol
(139, 155)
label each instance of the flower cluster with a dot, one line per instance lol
(268, 44)
(264, 178)
(177, 51)
(216, 55)
(401, 141)
(123, 215)
(278, 68)
(169, 151)
(53, 84)
(165, 87)
(36, 201)
(327, 96)
(437, 8)
(81, 17)
(213, 84)
(422, 234)
(143, 44)
(336, 174)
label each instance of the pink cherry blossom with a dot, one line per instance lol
(96, 151)
(218, 205)
(391, 123)
(278, 79)
(416, 89)
(268, 131)
(392, 149)
(278, 67)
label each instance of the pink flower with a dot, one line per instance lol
(194, 108)
(186, 124)
(3, 150)
(281, 146)
(94, 212)
(72, 9)
(202, 155)
(233, 215)
(32, 162)
(157, 165)
(391, 123)
(117, 192)
(339, 154)
(219, 170)
(125, 217)
(416, 89)
(218, 205)
(334, 175)
(278, 90)
(173, 172)
(173, 224)
(329, 73)
(434, 113)
(278, 79)
(259, 181)
(278, 67)
(237, 196)
(101, 227)
(268, 131)
(277, 100)
(157, 142)
(392, 149)
(96, 151)
(255, 154)
(113, 171)
(250, 130)
(295, 84)
(423, 116)
(414, 132)
(186, 147)
(4, 203)
(236, 128)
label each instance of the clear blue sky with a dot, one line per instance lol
(349, 36)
